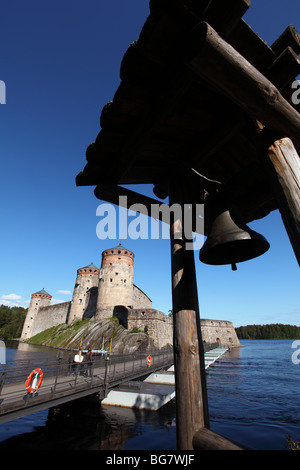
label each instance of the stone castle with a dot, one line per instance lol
(110, 291)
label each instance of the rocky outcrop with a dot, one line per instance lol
(96, 334)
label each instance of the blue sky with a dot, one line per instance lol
(60, 61)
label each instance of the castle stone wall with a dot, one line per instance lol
(220, 331)
(109, 291)
(50, 316)
(158, 325)
(140, 299)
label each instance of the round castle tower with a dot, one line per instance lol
(38, 299)
(115, 281)
(84, 298)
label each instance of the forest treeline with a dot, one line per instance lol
(271, 331)
(11, 321)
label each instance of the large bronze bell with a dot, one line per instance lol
(231, 241)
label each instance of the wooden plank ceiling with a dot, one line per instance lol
(162, 117)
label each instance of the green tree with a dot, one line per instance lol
(270, 331)
(11, 321)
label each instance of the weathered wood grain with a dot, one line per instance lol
(283, 167)
(190, 381)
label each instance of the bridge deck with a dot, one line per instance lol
(63, 383)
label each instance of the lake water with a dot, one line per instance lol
(253, 395)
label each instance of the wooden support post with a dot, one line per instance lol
(283, 167)
(190, 381)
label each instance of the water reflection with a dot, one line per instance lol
(16, 351)
(85, 425)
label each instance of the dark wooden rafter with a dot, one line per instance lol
(123, 148)
(214, 60)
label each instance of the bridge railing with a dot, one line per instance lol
(60, 376)
(128, 366)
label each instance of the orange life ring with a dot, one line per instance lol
(149, 360)
(31, 388)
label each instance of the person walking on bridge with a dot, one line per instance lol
(89, 363)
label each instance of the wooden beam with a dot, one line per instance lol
(190, 381)
(112, 194)
(215, 61)
(154, 117)
(289, 38)
(198, 187)
(283, 167)
(205, 439)
(225, 15)
(284, 69)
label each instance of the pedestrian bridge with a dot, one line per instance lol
(113, 379)
(64, 381)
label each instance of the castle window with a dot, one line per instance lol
(80, 301)
(116, 274)
(111, 280)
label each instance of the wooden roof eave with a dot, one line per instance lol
(271, 67)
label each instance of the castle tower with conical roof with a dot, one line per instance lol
(38, 299)
(84, 299)
(115, 281)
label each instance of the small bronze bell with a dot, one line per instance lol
(231, 241)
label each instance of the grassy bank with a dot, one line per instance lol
(96, 334)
